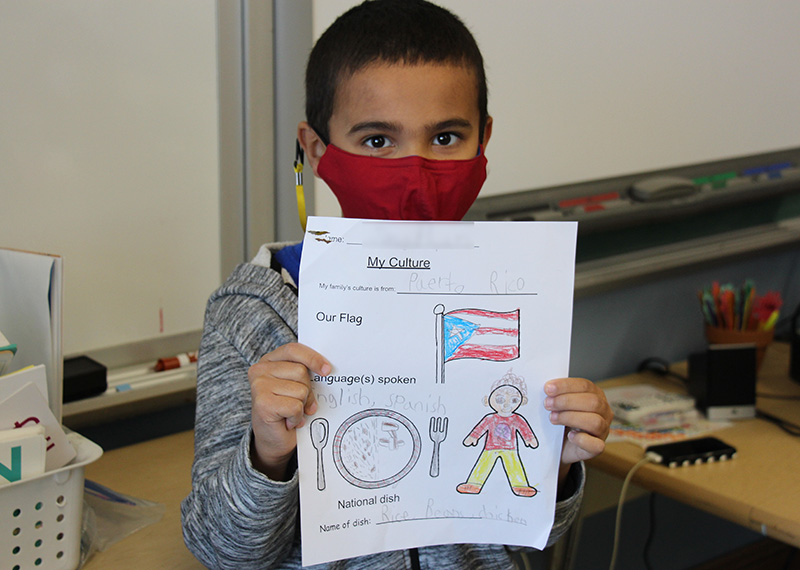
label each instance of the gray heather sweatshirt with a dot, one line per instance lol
(237, 518)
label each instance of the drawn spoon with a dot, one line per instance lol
(319, 439)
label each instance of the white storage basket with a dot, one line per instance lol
(43, 515)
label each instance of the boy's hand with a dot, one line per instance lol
(280, 386)
(582, 407)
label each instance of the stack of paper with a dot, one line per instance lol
(651, 408)
(23, 405)
(30, 314)
(22, 453)
(32, 440)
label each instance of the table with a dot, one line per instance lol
(759, 488)
(158, 470)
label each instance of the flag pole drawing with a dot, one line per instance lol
(475, 333)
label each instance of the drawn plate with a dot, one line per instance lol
(375, 448)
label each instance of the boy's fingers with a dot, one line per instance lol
(273, 408)
(593, 424)
(284, 373)
(282, 370)
(587, 445)
(579, 404)
(586, 402)
(559, 386)
(577, 395)
(287, 379)
(301, 354)
(300, 391)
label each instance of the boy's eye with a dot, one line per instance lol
(378, 141)
(445, 139)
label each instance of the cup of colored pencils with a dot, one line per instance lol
(738, 315)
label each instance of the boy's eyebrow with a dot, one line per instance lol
(373, 126)
(455, 123)
(386, 126)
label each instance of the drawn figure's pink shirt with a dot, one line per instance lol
(501, 432)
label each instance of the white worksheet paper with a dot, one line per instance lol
(441, 336)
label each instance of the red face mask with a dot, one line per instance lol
(408, 188)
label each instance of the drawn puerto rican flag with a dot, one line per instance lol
(478, 333)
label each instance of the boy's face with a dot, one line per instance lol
(391, 111)
(505, 400)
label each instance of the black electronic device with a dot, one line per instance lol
(723, 381)
(83, 378)
(794, 359)
(691, 452)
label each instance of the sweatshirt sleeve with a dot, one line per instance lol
(234, 517)
(568, 503)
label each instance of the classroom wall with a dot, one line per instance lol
(110, 136)
(587, 90)
(614, 331)
(109, 154)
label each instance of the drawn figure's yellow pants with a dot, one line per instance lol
(483, 467)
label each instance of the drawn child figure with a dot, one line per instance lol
(501, 428)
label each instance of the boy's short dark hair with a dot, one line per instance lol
(390, 31)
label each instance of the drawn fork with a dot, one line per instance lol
(437, 433)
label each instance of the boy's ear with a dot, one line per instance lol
(485, 400)
(313, 147)
(487, 131)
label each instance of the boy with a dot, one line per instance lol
(396, 100)
(501, 428)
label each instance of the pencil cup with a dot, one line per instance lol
(761, 339)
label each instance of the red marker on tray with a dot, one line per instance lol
(173, 362)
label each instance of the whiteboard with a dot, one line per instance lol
(110, 159)
(587, 90)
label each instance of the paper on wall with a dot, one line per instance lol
(431, 428)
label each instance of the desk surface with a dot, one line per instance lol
(158, 470)
(758, 489)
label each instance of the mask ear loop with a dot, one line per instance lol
(298, 185)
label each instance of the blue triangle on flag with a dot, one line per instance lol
(457, 331)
